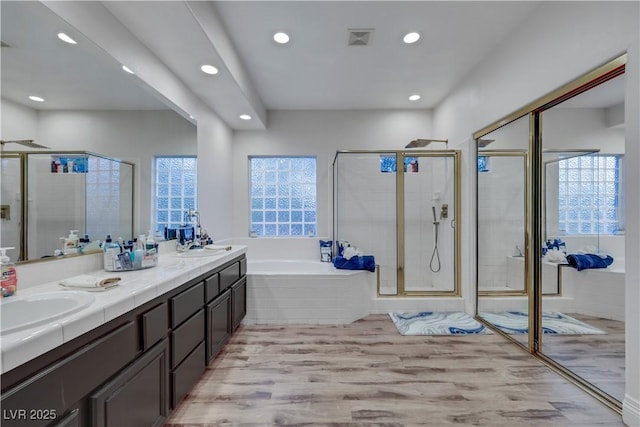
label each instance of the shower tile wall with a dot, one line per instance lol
(500, 221)
(56, 205)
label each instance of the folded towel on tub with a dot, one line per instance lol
(585, 261)
(360, 262)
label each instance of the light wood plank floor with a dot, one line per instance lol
(598, 359)
(367, 374)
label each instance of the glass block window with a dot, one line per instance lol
(388, 164)
(176, 190)
(483, 164)
(282, 196)
(103, 196)
(588, 194)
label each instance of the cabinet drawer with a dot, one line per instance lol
(243, 267)
(218, 324)
(138, 396)
(185, 376)
(186, 337)
(186, 303)
(155, 324)
(211, 287)
(229, 276)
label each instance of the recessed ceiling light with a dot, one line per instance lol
(411, 37)
(65, 38)
(36, 98)
(414, 97)
(245, 117)
(127, 69)
(209, 69)
(281, 38)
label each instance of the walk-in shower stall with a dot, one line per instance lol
(402, 207)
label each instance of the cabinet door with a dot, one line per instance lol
(239, 302)
(138, 396)
(218, 324)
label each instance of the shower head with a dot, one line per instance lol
(484, 142)
(420, 143)
(26, 142)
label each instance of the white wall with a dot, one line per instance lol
(560, 42)
(321, 134)
(215, 176)
(18, 122)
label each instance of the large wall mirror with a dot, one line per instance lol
(583, 144)
(89, 104)
(550, 229)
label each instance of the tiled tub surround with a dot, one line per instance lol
(595, 292)
(287, 284)
(135, 289)
(306, 292)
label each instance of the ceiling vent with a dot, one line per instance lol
(360, 37)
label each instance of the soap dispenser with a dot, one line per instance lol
(71, 242)
(9, 281)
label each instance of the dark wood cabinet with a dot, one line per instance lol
(69, 419)
(218, 324)
(187, 373)
(137, 396)
(133, 370)
(239, 302)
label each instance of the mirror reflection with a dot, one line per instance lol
(582, 261)
(501, 197)
(584, 210)
(91, 108)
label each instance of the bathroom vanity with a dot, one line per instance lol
(135, 367)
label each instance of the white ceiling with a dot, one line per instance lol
(68, 77)
(316, 70)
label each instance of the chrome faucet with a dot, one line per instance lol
(188, 217)
(187, 246)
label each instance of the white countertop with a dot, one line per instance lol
(135, 289)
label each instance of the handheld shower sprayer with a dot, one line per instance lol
(434, 264)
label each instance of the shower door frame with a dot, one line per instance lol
(525, 158)
(400, 218)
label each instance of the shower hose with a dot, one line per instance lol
(435, 257)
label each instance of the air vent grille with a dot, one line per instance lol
(360, 37)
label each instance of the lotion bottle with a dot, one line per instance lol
(9, 281)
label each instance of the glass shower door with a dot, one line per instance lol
(429, 223)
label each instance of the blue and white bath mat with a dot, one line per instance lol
(437, 323)
(517, 322)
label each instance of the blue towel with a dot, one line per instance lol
(584, 261)
(363, 262)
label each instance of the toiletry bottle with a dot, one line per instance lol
(9, 281)
(111, 252)
(138, 252)
(150, 245)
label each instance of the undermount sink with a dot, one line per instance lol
(200, 252)
(18, 312)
